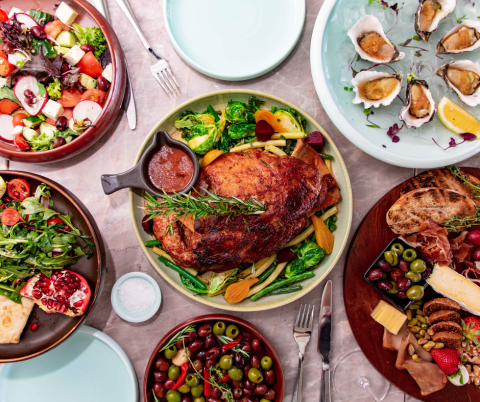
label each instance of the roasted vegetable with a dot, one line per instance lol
(189, 119)
(202, 137)
(236, 131)
(290, 120)
(311, 254)
(241, 113)
(222, 280)
(295, 267)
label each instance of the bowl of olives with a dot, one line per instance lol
(399, 274)
(214, 358)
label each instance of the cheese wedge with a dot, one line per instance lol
(13, 318)
(388, 316)
(447, 282)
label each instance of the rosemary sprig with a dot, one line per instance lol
(237, 348)
(211, 204)
(179, 335)
(455, 171)
(460, 222)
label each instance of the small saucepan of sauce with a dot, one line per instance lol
(166, 165)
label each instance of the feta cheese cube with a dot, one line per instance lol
(3, 82)
(52, 110)
(15, 10)
(108, 72)
(74, 55)
(66, 14)
(17, 130)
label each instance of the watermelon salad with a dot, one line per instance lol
(54, 77)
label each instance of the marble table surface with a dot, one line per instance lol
(115, 153)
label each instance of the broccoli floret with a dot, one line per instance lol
(54, 90)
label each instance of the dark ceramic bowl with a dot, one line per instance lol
(137, 177)
(88, 16)
(55, 328)
(247, 330)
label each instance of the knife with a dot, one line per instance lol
(128, 100)
(324, 340)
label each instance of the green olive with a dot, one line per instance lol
(415, 292)
(266, 362)
(264, 400)
(397, 248)
(199, 399)
(418, 266)
(219, 328)
(393, 290)
(184, 388)
(197, 391)
(173, 396)
(413, 276)
(192, 380)
(171, 352)
(226, 362)
(409, 254)
(235, 374)
(232, 331)
(255, 375)
(391, 257)
(173, 372)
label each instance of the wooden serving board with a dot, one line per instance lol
(360, 298)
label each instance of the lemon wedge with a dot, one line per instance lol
(3, 187)
(456, 118)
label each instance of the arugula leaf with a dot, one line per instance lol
(7, 93)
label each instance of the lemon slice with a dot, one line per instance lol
(456, 118)
(3, 187)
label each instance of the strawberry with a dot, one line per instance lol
(447, 359)
(471, 329)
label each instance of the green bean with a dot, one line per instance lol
(326, 156)
(213, 112)
(183, 273)
(187, 283)
(285, 290)
(151, 243)
(266, 274)
(281, 284)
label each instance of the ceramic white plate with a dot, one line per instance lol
(234, 40)
(89, 366)
(330, 46)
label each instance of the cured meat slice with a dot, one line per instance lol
(427, 375)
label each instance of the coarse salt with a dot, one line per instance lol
(136, 295)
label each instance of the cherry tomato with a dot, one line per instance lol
(6, 105)
(3, 16)
(10, 216)
(70, 97)
(18, 119)
(95, 95)
(53, 221)
(21, 142)
(18, 189)
(68, 113)
(89, 65)
(5, 67)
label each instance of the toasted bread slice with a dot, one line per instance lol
(449, 339)
(447, 326)
(442, 178)
(441, 303)
(444, 315)
(410, 210)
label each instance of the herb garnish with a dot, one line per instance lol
(178, 336)
(460, 222)
(455, 171)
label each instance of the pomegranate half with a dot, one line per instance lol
(65, 292)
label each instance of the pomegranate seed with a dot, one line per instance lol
(68, 274)
(44, 302)
(62, 309)
(78, 303)
(50, 292)
(34, 326)
(36, 294)
(72, 285)
(66, 228)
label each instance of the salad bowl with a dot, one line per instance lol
(87, 16)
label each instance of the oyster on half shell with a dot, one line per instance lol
(420, 108)
(463, 76)
(375, 88)
(463, 37)
(371, 42)
(429, 15)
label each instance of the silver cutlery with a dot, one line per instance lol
(128, 100)
(324, 340)
(158, 66)
(302, 332)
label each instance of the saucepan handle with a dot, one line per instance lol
(114, 182)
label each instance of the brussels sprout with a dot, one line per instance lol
(236, 131)
(221, 280)
(239, 113)
(295, 267)
(202, 137)
(290, 120)
(311, 254)
(189, 119)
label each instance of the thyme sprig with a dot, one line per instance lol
(178, 336)
(460, 222)
(184, 205)
(455, 171)
(225, 339)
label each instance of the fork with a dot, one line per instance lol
(158, 66)
(302, 332)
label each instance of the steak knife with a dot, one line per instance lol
(128, 100)
(324, 340)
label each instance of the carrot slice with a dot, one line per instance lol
(322, 234)
(270, 118)
(237, 291)
(211, 156)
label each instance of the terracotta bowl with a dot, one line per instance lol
(88, 16)
(247, 330)
(55, 328)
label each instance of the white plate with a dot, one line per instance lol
(234, 39)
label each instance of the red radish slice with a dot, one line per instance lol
(30, 83)
(26, 21)
(6, 128)
(87, 110)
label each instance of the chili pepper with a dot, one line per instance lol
(181, 379)
(225, 378)
(232, 344)
(207, 389)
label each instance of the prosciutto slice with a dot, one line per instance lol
(427, 375)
